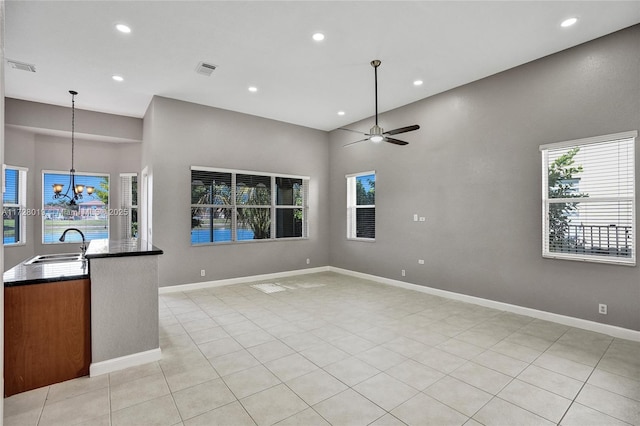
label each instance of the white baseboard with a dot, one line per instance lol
(611, 330)
(240, 280)
(115, 364)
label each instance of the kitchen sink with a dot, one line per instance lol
(54, 258)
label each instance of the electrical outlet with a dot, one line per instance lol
(421, 261)
(202, 272)
(602, 309)
(423, 219)
(308, 261)
(415, 217)
(404, 273)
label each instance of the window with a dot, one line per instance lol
(90, 215)
(128, 212)
(589, 199)
(289, 207)
(361, 206)
(234, 205)
(14, 197)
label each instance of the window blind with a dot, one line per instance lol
(236, 205)
(14, 203)
(361, 209)
(589, 199)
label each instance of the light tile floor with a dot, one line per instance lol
(337, 350)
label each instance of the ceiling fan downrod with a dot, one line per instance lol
(377, 133)
(375, 64)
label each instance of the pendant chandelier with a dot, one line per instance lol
(78, 189)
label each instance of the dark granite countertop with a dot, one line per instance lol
(23, 274)
(120, 248)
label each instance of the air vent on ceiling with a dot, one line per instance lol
(21, 66)
(205, 69)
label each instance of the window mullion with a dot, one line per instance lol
(273, 208)
(234, 208)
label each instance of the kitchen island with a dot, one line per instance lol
(72, 317)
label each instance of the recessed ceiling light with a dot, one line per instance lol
(123, 28)
(568, 22)
(253, 89)
(318, 36)
(418, 83)
(117, 77)
(340, 112)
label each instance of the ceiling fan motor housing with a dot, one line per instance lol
(376, 130)
(375, 134)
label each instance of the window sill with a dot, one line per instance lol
(363, 240)
(591, 259)
(22, 244)
(265, 240)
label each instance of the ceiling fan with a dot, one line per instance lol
(377, 133)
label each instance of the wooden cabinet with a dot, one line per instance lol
(47, 332)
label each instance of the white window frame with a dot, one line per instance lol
(273, 206)
(631, 261)
(352, 206)
(127, 207)
(71, 225)
(22, 212)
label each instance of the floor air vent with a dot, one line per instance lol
(269, 288)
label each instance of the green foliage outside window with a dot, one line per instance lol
(561, 183)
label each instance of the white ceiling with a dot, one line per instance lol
(268, 44)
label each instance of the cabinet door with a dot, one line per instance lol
(47, 334)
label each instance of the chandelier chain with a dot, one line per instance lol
(73, 127)
(76, 190)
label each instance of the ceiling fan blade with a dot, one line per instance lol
(353, 143)
(402, 130)
(349, 130)
(395, 141)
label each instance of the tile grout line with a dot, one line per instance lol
(238, 400)
(43, 405)
(314, 313)
(381, 345)
(109, 398)
(532, 363)
(515, 377)
(319, 367)
(585, 383)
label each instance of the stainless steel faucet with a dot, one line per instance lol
(83, 247)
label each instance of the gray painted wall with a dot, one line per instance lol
(28, 145)
(178, 135)
(124, 317)
(90, 125)
(474, 171)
